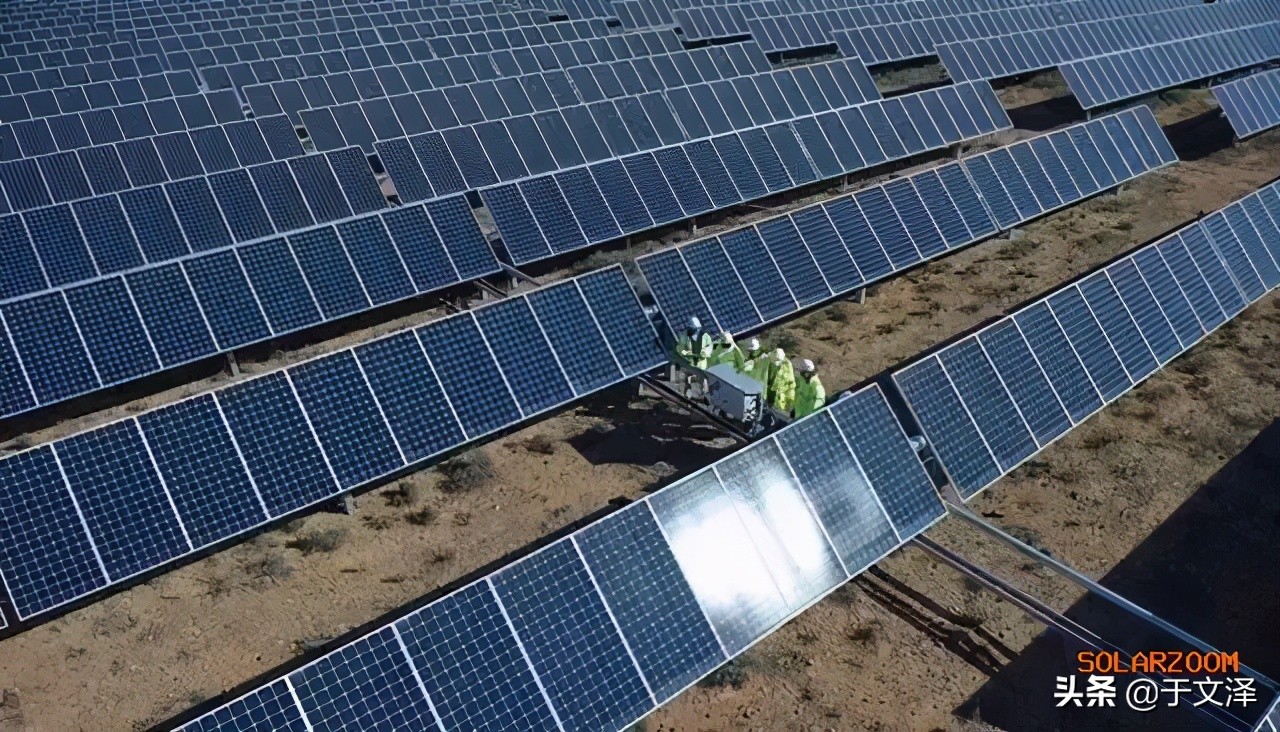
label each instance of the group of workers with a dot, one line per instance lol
(778, 376)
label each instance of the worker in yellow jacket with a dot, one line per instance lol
(727, 351)
(782, 382)
(756, 364)
(693, 346)
(810, 394)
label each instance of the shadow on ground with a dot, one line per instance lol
(1209, 569)
(647, 433)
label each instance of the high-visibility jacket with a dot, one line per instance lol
(686, 351)
(810, 396)
(758, 369)
(728, 354)
(782, 386)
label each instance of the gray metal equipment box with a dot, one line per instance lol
(734, 395)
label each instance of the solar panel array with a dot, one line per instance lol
(1112, 78)
(999, 56)
(552, 214)
(104, 505)
(751, 276)
(921, 37)
(992, 400)
(99, 96)
(597, 629)
(901, 31)
(1252, 103)
(417, 107)
(114, 328)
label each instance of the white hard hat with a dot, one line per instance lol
(694, 323)
(753, 344)
(806, 365)
(780, 355)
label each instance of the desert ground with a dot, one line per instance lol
(1158, 496)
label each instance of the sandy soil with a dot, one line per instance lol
(849, 663)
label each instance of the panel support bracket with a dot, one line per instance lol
(233, 364)
(519, 276)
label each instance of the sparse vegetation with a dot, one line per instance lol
(467, 472)
(322, 541)
(404, 494)
(271, 566)
(730, 675)
(540, 444)
(864, 632)
(422, 517)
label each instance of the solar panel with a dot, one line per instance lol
(284, 441)
(594, 630)
(158, 316)
(993, 399)
(677, 182)
(799, 259)
(1140, 71)
(1251, 104)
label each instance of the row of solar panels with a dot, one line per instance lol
(97, 508)
(796, 30)
(181, 33)
(786, 33)
(537, 219)
(892, 9)
(13, 60)
(746, 278)
(487, 153)
(418, 108)
(65, 177)
(115, 329)
(601, 627)
(1143, 24)
(306, 273)
(1020, 53)
(992, 400)
(550, 215)
(129, 122)
(499, 68)
(271, 61)
(1251, 104)
(1109, 79)
(457, 68)
(69, 243)
(398, 25)
(707, 21)
(58, 26)
(99, 95)
(117, 110)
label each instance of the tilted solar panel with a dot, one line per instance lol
(1251, 104)
(993, 399)
(751, 276)
(135, 494)
(599, 628)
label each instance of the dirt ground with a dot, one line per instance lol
(849, 663)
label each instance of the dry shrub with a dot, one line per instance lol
(422, 517)
(404, 494)
(467, 472)
(319, 542)
(540, 444)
